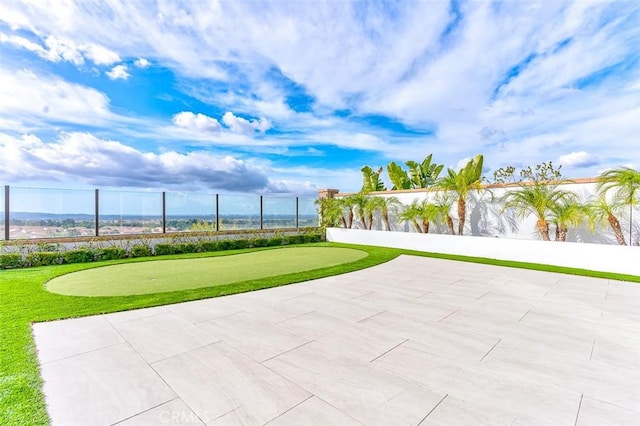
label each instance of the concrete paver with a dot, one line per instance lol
(413, 341)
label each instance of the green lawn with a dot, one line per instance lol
(23, 300)
(184, 274)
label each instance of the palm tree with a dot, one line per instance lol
(625, 183)
(603, 211)
(565, 214)
(538, 198)
(360, 204)
(330, 211)
(385, 205)
(420, 214)
(443, 204)
(462, 182)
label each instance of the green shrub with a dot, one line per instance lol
(140, 250)
(209, 246)
(78, 256)
(238, 244)
(43, 258)
(110, 253)
(162, 249)
(260, 242)
(295, 239)
(11, 260)
(312, 238)
(187, 248)
(275, 241)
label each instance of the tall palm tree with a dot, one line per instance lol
(625, 184)
(565, 214)
(462, 183)
(601, 211)
(420, 214)
(538, 198)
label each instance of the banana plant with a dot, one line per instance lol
(371, 180)
(398, 176)
(425, 174)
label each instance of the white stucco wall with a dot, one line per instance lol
(485, 217)
(595, 257)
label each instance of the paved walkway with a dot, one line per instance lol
(414, 341)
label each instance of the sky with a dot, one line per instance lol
(287, 97)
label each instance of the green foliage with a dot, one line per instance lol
(79, 256)
(261, 242)
(43, 258)
(425, 174)
(209, 246)
(140, 250)
(330, 211)
(11, 260)
(542, 173)
(164, 249)
(203, 226)
(398, 176)
(420, 214)
(186, 247)
(624, 182)
(371, 180)
(110, 253)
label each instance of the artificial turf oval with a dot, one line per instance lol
(159, 276)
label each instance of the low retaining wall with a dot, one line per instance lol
(595, 257)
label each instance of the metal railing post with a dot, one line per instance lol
(217, 212)
(261, 218)
(97, 212)
(297, 213)
(6, 212)
(164, 212)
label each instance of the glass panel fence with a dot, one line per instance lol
(307, 212)
(278, 212)
(239, 212)
(51, 213)
(190, 212)
(2, 224)
(130, 212)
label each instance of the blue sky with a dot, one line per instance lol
(292, 96)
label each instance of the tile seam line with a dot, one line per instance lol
(289, 409)
(282, 353)
(149, 409)
(386, 352)
(433, 409)
(492, 348)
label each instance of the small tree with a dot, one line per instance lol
(420, 214)
(385, 205)
(443, 204)
(538, 193)
(566, 214)
(462, 183)
(624, 182)
(601, 211)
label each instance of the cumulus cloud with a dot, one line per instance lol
(142, 63)
(244, 126)
(119, 72)
(578, 159)
(100, 162)
(196, 122)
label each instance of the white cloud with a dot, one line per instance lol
(196, 122)
(118, 72)
(100, 55)
(142, 63)
(243, 126)
(578, 159)
(30, 99)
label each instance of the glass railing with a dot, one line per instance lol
(59, 213)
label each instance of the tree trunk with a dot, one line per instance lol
(417, 226)
(543, 228)
(385, 219)
(450, 225)
(363, 220)
(615, 225)
(425, 226)
(350, 221)
(462, 212)
(344, 222)
(557, 233)
(562, 234)
(370, 221)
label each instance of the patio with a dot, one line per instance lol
(413, 341)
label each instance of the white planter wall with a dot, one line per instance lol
(595, 257)
(486, 218)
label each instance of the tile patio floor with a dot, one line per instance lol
(414, 341)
